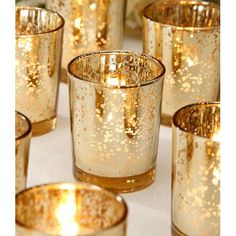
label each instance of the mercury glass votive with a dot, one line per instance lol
(38, 55)
(90, 25)
(196, 170)
(185, 36)
(115, 102)
(66, 209)
(22, 146)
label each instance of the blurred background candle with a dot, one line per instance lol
(22, 146)
(115, 102)
(185, 36)
(90, 25)
(134, 13)
(196, 170)
(66, 209)
(38, 55)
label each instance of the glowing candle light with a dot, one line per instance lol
(65, 209)
(114, 80)
(93, 6)
(77, 22)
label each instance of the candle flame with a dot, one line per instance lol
(190, 62)
(93, 6)
(114, 81)
(200, 8)
(66, 214)
(77, 22)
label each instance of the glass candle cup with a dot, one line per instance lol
(196, 170)
(115, 102)
(185, 36)
(38, 55)
(22, 145)
(90, 25)
(70, 209)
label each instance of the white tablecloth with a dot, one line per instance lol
(51, 161)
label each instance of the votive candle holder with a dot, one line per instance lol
(90, 25)
(115, 102)
(185, 36)
(196, 170)
(38, 59)
(22, 146)
(70, 209)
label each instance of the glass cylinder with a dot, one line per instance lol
(90, 25)
(196, 170)
(70, 209)
(22, 146)
(38, 55)
(185, 36)
(115, 102)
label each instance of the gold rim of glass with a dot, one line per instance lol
(199, 3)
(194, 105)
(29, 126)
(61, 25)
(117, 52)
(60, 185)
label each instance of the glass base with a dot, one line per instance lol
(176, 232)
(166, 120)
(117, 184)
(45, 126)
(64, 77)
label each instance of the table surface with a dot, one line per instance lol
(51, 161)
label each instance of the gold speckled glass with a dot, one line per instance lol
(70, 209)
(185, 36)
(196, 170)
(22, 146)
(115, 102)
(90, 25)
(38, 55)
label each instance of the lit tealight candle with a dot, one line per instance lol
(66, 214)
(114, 80)
(70, 210)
